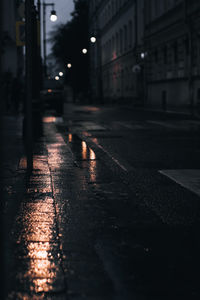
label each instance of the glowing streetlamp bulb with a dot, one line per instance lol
(57, 78)
(84, 51)
(143, 55)
(69, 66)
(53, 16)
(93, 39)
(60, 74)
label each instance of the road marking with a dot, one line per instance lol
(114, 159)
(183, 125)
(91, 126)
(129, 125)
(95, 141)
(188, 178)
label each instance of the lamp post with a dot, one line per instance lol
(96, 40)
(53, 18)
(143, 57)
(29, 6)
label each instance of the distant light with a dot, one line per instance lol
(60, 74)
(69, 66)
(57, 78)
(84, 51)
(49, 90)
(143, 54)
(53, 16)
(93, 39)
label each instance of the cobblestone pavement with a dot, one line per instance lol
(97, 220)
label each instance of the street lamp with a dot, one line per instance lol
(143, 55)
(53, 18)
(84, 51)
(93, 39)
(97, 66)
(60, 74)
(57, 78)
(69, 66)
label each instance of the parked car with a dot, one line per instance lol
(52, 96)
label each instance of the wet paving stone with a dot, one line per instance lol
(82, 231)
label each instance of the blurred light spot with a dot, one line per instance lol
(93, 39)
(23, 163)
(49, 119)
(92, 155)
(70, 137)
(84, 51)
(84, 150)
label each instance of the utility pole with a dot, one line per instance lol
(44, 38)
(190, 61)
(53, 14)
(29, 6)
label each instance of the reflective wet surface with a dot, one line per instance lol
(97, 221)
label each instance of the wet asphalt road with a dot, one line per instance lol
(98, 220)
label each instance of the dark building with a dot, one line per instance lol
(172, 32)
(12, 60)
(147, 52)
(119, 34)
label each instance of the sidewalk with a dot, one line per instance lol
(12, 182)
(77, 231)
(46, 230)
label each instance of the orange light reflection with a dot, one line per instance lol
(93, 166)
(84, 150)
(49, 119)
(39, 231)
(70, 137)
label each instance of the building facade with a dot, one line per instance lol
(119, 35)
(147, 52)
(172, 43)
(11, 54)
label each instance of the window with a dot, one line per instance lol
(117, 43)
(117, 5)
(187, 46)
(109, 12)
(165, 54)
(175, 48)
(121, 40)
(113, 46)
(110, 51)
(156, 55)
(113, 8)
(130, 26)
(125, 38)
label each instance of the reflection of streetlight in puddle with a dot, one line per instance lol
(70, 137)
(84, 150)
(41, 270)
(38, 234)
(92, 155)
(93, 166)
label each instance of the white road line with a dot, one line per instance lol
(86, 134)
(186, 124)
(188, 178)
(114, 159)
